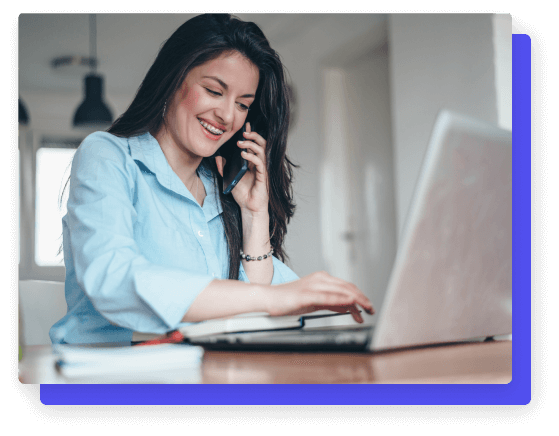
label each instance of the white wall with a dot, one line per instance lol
(436, 61)
(458, 62)
(326, 42)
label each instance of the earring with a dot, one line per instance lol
(164, 110)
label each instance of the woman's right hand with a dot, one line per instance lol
(317, 291)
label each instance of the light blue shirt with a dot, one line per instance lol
(138, 248)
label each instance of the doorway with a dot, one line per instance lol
(358, 212)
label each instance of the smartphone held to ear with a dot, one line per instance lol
(235, 166)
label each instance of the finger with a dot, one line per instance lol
(355, 314)
(258, 164)
(254, 148)
(324, 282)
(360, 297)
(248, 127)
(253, 136)
(351, 309)
(338, 309)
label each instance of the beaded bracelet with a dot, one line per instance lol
(249, 258)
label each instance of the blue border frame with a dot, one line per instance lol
(518, 391)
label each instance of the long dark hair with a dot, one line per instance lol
(199, 40)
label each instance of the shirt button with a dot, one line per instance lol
(200, 233)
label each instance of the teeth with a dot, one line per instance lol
(211, 128)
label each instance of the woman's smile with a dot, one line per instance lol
(210, 131)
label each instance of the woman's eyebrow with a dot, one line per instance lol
(224, 85)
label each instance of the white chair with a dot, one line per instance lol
(42, 303)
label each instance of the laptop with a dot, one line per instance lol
(452, 276)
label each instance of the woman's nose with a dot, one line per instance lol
(225, 114)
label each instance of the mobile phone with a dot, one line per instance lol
(235, 165)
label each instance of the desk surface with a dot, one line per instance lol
(480, 362)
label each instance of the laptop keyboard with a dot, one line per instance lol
(355, 338)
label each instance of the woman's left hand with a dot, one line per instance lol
(251, 193)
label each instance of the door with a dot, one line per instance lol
(357, 179)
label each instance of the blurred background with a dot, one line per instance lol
(366, 90)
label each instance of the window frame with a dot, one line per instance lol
(29, 143)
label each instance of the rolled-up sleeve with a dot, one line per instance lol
(123, 286)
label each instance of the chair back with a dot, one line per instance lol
(42, 304)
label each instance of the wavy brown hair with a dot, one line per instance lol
(199, 40)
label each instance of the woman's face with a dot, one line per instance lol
(212, 104)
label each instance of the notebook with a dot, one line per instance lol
(241, 323)
(126, 364)
(451, 278)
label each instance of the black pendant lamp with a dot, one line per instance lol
(23, 118)
(93, 113)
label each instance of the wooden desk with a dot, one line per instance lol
(480, 362)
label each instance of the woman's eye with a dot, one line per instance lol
(245, 108)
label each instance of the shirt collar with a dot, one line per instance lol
(147, 153)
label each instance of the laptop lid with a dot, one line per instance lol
(451, 278)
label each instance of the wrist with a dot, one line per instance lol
(264, 295)
(255, 215)
(256, 244)
(256, 231)
(259, 296)
(224, 298)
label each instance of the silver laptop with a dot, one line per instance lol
(452, 275)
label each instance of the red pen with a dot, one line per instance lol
(174, 337)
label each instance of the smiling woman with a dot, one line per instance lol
(149, 239)
(218, 60)
(196, 43)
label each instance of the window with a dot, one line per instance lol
(45, 163)
(52, 171)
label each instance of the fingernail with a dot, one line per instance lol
(241, 142)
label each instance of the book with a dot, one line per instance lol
(250, 322)
(87, 361)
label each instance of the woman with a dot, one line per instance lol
(150, 241)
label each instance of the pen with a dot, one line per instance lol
(174, 337)
(327, 315)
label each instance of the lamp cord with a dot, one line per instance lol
(93, 40)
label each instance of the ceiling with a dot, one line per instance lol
(126, 45)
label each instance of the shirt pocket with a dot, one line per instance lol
(165, 246)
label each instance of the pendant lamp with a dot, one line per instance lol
(23, 118)
(93, 113)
